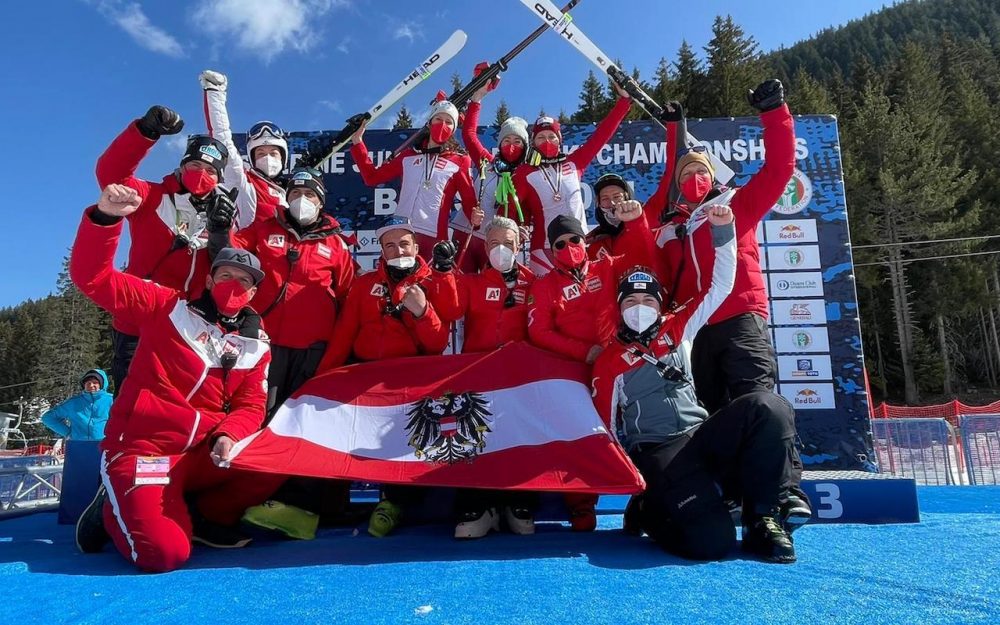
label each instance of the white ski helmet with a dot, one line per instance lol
(267, 133)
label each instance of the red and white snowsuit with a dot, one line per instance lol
(486, 191)
(481, 298)
(259, 195)
(157, 252)
(306, 277)
(569, 315)
(750, 204)
(537, 197)
(367, 329)
(430, 181)
(171, 408)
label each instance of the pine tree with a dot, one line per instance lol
(403, 119)
(593, 102)
(734, 66)
(502, 113)
(456, 82)
(662, 89)
(806, 96)
(689, 81)
(563, 117)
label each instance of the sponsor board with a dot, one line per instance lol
(793, 257)
(802, 284)
(790, 231)
(798, 193)
(818, 396)
(796, 312)
(801, 340)
(804, 368)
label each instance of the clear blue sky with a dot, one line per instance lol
(76, 72)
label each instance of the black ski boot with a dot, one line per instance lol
(795, 510)
(764, 537)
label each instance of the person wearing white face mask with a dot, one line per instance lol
(692, 461)
(259, 181)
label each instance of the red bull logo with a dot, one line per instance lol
(807, 397)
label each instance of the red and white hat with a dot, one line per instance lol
(546, 123)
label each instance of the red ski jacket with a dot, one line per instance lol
(568, 314)
(429, 183)
(169, 240)
(373, 325)
(177, 388)
(481, 298)
(535, 184)
(306, 277)
(685, 263)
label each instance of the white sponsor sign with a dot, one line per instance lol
(810, 396)
(804, 368)
(801, 340)
(802, 284)
(790, 230)
(796, 312)
(781, 258)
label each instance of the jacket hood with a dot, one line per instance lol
(99, 373)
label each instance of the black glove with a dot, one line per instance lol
(672, 112)
(158, 121)
(222, 211)
(443, 256)
(768, 95)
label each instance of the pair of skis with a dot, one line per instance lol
(326, 145)
(562, 23)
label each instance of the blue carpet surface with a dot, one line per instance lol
(944, 570)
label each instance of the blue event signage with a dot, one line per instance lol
(806, 256)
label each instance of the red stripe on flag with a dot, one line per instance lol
(594, 464)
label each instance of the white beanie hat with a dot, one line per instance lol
(446, 107)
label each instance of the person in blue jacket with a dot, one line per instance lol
(82, 417)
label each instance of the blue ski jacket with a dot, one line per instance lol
(82, 417)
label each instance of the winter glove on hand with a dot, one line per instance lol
(222, 212)
(213, 81)
(158, 121)
(672, 112)
(443, 256)
(768, 95)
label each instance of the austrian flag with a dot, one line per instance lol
(515, 418)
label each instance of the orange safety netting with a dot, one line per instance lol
(949, 411)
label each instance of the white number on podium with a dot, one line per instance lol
(829, 501)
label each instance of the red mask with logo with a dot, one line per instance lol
(548, 149)
(230, 297)
(511, 152)
(572, 256)
(696, 187)
(198, 181)
(440, 132)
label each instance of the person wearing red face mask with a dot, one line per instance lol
(732, 354)
(197, 386)
(495, 186)
(432, 174)
(548, 184)
(169, 230)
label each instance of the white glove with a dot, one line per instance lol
(212, 81)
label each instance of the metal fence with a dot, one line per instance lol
(924, 449)
(981, 438)
(26, 481)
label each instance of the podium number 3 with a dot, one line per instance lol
(829, 501)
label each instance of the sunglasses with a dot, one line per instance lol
(575, 240)
(697, 149)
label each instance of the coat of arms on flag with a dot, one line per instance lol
(449, 428)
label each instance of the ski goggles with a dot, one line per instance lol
(575, 240)
(261, 129)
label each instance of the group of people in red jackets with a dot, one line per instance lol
(240, 286)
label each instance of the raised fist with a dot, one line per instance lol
(213, 81)
(443, 255)
(673, 111)
(415, 301)
(720, 215)
(768, 95)
(118, 200)
(629, 210)
(159, 121)
(222, 211)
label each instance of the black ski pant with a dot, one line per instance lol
(290, 368)
(745, 452)
(732, 358)
(123, 349)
